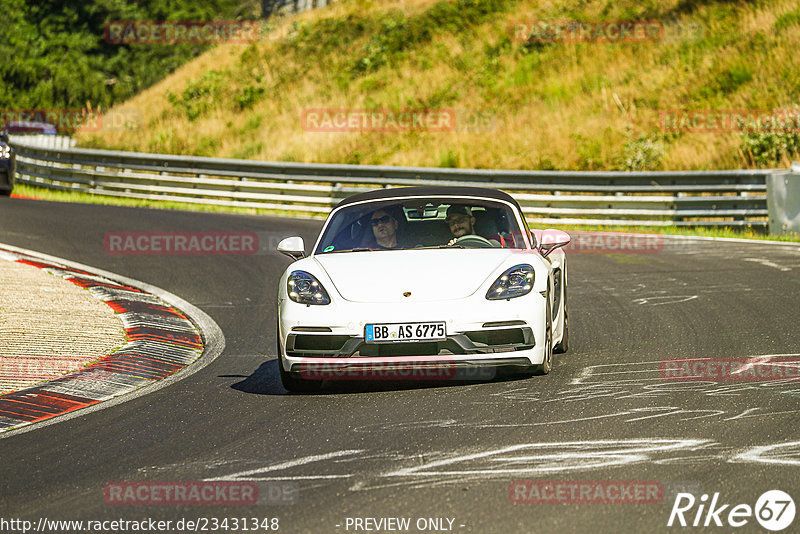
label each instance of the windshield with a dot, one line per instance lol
(422, 223)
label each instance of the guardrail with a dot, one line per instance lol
(42, 140)
(685, 198)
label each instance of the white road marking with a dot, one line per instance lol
(601, 370)
(664, 300)
(771, 454)
(248, 475)
(591, 371)
(565, 456)
(448, 467)
(747, 413)
(767, 263)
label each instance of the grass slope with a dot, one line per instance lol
(518, 105)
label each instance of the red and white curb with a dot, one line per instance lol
(165, 335)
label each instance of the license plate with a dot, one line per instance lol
(390, 333)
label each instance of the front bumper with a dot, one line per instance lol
(489, 341)
(490, 334)
(456, 358)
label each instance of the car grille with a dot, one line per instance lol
(304, 342)
(475, 342)
(505, 336)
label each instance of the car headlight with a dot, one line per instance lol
(515, 282)
(304, 288)
(5, 152)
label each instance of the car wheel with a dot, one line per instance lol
(298, 385)
(291, 383)
(547, 364)
(563, 345)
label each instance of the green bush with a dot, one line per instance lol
(767, 149)
(642, 154)
(199, 95)
(730, 79)
(786, 20)
(249, 96)
(449, 159)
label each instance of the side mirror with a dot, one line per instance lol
(551, 240)
(4, 137)
(292, 247)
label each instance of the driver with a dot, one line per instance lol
(461, 222)
(384, 228)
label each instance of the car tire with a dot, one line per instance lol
(547, 364)
(297, 385)
(291, 383)
(563, 345)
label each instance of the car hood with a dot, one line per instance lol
(429, 275)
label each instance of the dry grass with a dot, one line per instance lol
(563, 106)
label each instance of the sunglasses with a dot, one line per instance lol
(380, 220)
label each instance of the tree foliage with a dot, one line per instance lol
(53, 54)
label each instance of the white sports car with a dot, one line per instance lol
(419, 283)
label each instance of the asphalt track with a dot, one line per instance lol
(433, 451)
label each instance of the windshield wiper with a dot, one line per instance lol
(349, 250)
(436, 246)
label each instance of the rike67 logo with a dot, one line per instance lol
(774, 510)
